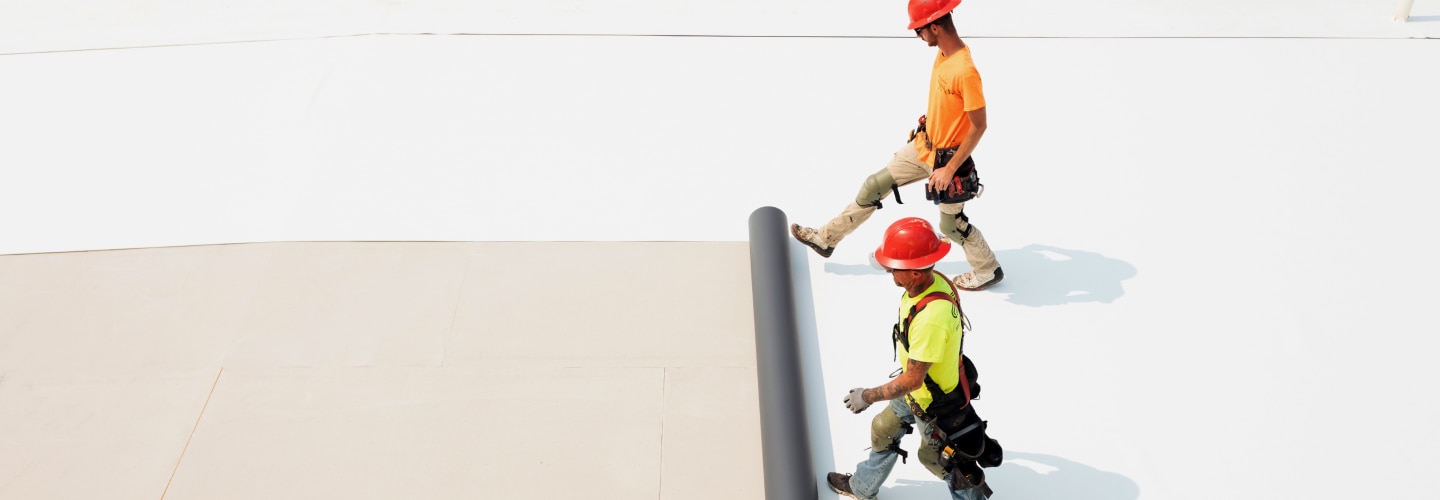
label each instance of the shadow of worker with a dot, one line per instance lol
(1031, 476)
(1040, 275)
(1034, 476)
(1036, 275)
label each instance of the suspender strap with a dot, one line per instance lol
(956, 435)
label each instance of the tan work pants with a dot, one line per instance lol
(905, 168)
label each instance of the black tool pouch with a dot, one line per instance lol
(966, 184)
(968, 477)
(966, 438)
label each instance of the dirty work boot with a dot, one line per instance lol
(973, 281)
(841, 484)
(809, 236)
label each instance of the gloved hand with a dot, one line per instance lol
(855, 401)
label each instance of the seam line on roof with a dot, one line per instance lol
(455, 311)
(664, 396)
(623, 35)
(186, 448)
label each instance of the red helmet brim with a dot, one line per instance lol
(921, 262)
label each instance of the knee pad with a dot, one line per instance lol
(874, 189)
(931, 458)
(886, 429)
(950, 225)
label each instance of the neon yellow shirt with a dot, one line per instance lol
(935, 337)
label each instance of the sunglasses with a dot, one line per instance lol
(922, 28)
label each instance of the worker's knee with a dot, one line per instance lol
(930, 458)
(875, 188)
(957, 226)
(885, 429)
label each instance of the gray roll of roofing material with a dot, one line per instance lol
(784, 430)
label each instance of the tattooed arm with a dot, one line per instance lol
(913, 378)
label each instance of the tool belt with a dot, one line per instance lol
(963, 187)
(966, 184)
(961, 434)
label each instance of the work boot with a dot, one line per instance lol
(810, 237)
(841, 484)
(974, 281)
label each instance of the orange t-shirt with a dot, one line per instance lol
(954, 90)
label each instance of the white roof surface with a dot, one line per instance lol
(1212, 217)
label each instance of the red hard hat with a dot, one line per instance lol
(923, 12)
(910, 243)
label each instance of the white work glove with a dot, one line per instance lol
(855, 401)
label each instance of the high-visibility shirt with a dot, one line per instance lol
(935, 337)
(954, 90)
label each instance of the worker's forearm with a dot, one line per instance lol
(911, 379)
(965, 149)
